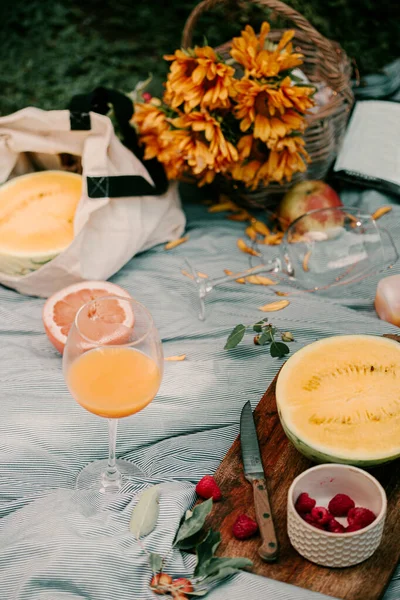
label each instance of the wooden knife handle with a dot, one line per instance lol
(268, 550)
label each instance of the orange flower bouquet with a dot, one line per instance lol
(211, 122)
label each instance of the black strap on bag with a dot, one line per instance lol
(100, 100)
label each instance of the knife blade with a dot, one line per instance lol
(254, 473)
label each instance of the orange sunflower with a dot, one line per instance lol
(288, 156)
(261, 58)
(247, 172)
(151, 122)
(203, 145)
(172, 152)
(262, 165)
(299, 96)
(268, 109)
(198, 78)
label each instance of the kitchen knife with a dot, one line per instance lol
(254, 472)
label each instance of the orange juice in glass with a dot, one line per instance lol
(113, 365)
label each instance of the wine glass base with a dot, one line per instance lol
(92, 476)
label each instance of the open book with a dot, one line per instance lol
(370, 154)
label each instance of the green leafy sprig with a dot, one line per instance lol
(209, 568)
(265, 335)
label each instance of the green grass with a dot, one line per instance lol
(53, 49)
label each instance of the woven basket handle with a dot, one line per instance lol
(279, 7)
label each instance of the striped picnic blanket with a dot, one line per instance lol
(53, 546)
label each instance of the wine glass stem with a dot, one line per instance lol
(269, 266)
(112, 476)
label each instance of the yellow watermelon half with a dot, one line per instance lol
(36, 219)
(338, 400)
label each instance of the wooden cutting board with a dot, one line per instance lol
(282, 463)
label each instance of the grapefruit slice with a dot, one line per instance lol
(60, 309)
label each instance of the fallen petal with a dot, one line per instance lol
(186, 274)
(306, 260)
(245, 248)
(274, 239)
(175, 358)
(260, 227)
(274, 306)
(381, 211)
(243, 215)
(260, 280)
(223, 206)
(176, 243)
(251, 233)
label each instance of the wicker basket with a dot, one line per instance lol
(324, 62)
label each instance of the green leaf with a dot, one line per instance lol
(264, 338)
(278, 350)
(257, 327)
(219, 568)
(235, 337)
(156, 562)
(194, 523)
(205, 551)
(145, 513)
(192, 541)
(296, 79)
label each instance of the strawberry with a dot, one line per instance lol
(146, 97)
(308, 519)
(362, 517)
(208, 488)
(340, 505)
(244, 527)
(335, 527)
(320, 515)
(304, 504)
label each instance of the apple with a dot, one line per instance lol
(306, 196)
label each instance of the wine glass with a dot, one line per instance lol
(322, 248)
(113, 364)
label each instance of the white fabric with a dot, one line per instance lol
(108, 231)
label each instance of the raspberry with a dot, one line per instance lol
(340, 505)
(320, 515)
(350, 528)
(362, 517)
(208, 488)
(244, 527)
(335, 527)
(308, 519)
(304, 504)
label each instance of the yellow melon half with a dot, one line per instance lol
(339, 400)
(36, 219)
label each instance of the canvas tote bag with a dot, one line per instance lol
(121, 212)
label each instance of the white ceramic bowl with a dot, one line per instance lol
(336, 549)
